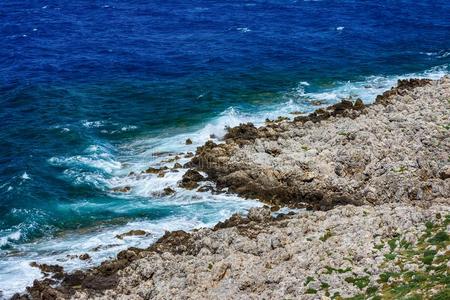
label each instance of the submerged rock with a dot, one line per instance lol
(206, 188)
(168, 191)
(124, 189)
(152, 170)
(85, 256)
(135, 232)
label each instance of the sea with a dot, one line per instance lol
(91, 91)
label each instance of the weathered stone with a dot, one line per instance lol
(134, 232)
(152, 170)
(168, 191)
(190, 179)
(124, 189)
(84, 256)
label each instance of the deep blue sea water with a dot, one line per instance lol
(90, 90)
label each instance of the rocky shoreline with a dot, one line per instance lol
(395, 150)
(375, 180)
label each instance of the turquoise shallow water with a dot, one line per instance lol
(90, 92)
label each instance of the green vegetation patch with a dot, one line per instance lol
(308, 280)
(440, 238)
(429, 279)
(326, 236)
(390, 256)
(360, 282)
(340, 271)
(427, 276)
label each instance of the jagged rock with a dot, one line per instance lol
(152, 170)
(242, 134)
(134, 232)
(190, 179)
(85, 256)
(403, 86)
(124, 189)
(188, 142)
(175, 242)
(445, 173)
(45, 268)
(259, 214)
(168, 191)
(205, 188)
(189, 155)
(18, 296)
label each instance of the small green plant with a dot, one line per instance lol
(311, 291)
(340, 271)
(360, 282)
(379, 246)
(384, 277)
(324, 285)
(390, 256)
(440, 238)
(400, 169)
(428, 256)
(326, 236)
(392, 244)
(405, 244)
(308, 280)
(446, 127)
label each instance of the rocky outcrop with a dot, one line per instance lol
(135, 232)
(395, 150)
(190, 179)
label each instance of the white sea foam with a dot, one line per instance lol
(128, 128)
(340, 28)
(92, 124)
(13, 236)
(25, 176)
(438, 54)
(243, 29)
(366, 89)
